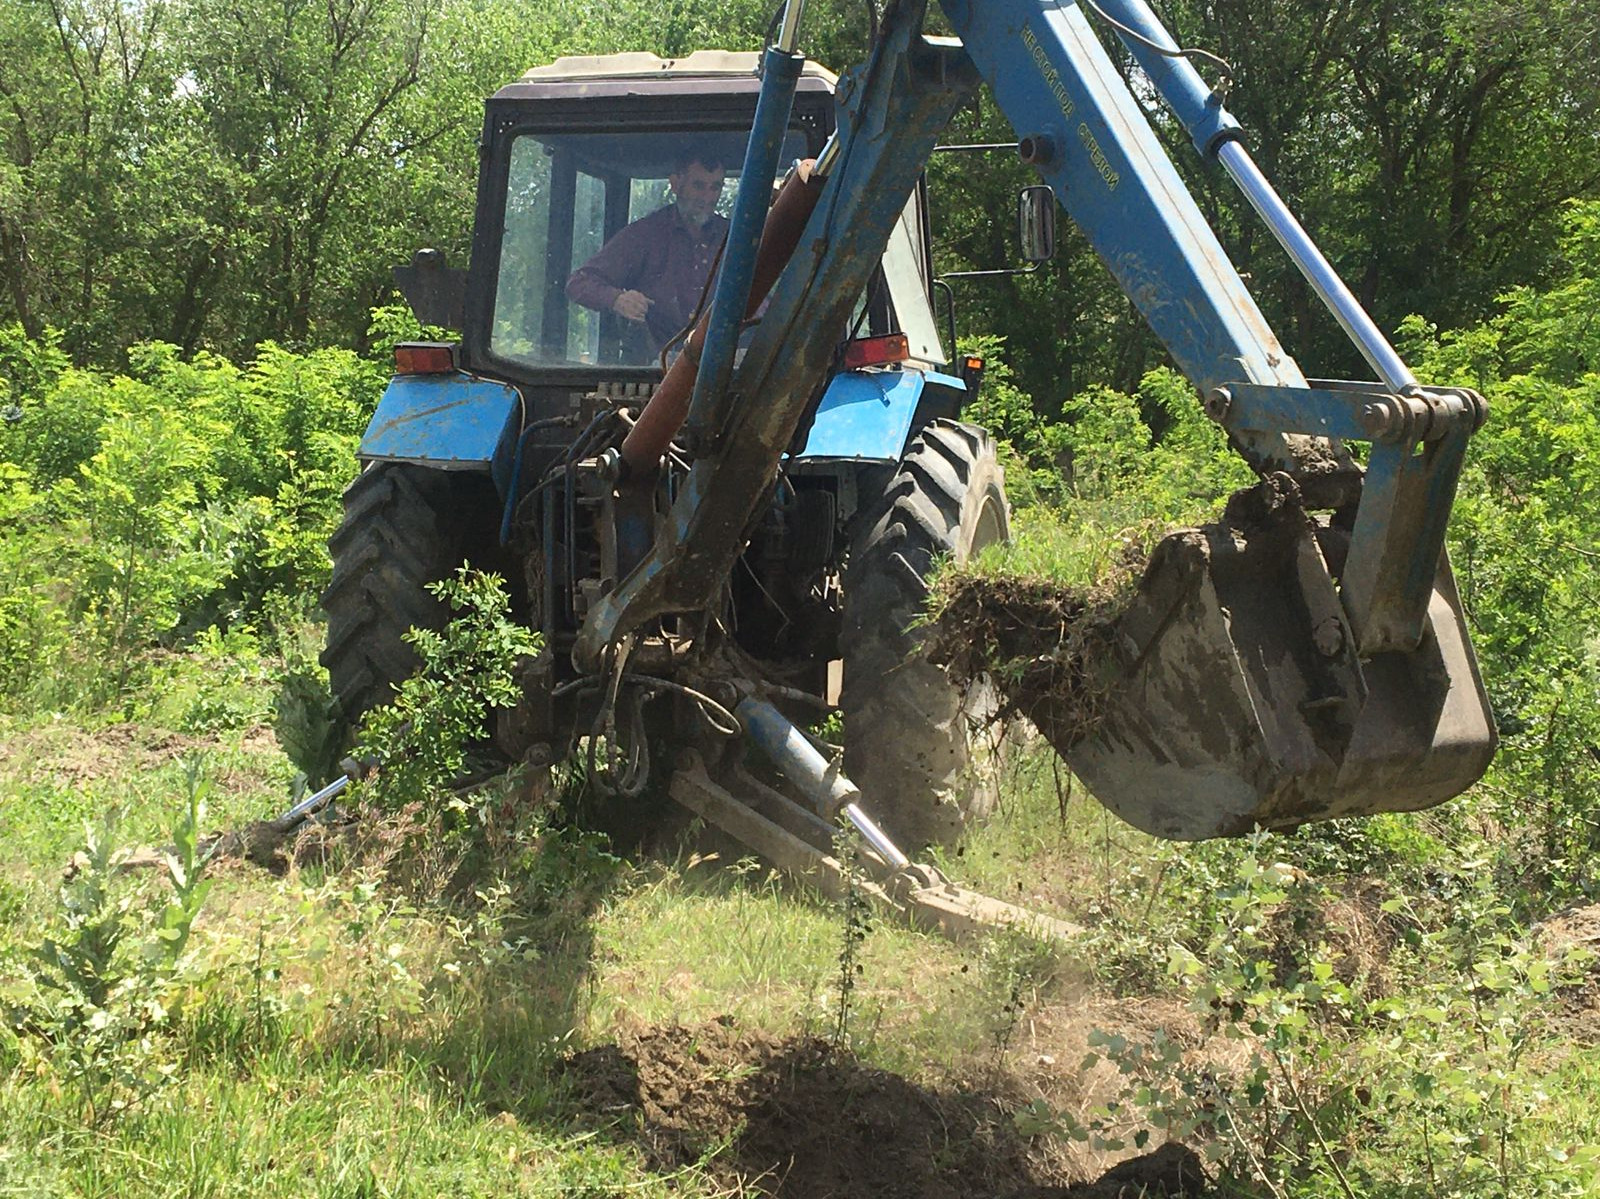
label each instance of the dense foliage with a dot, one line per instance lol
(1525, 537)
(139, 508)
(219, 175)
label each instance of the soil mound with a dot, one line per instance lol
(1173, 1171)
(795, 1117)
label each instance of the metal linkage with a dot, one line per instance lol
(312, 804)
(918, 893)
(1354, 411)
(1418, 443)
(354, 769)
(790, 33)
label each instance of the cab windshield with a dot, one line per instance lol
(610, 240)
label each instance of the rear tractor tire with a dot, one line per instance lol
(396, 537)
(915, 743)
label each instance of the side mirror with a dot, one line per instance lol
(1036, 223)
(437, 293)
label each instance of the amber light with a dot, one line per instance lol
(424, 358)
(875, 351)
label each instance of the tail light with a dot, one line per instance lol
(971, 373)
(425, 358)
(876, 351)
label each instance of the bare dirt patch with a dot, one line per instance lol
(81, 756)
(1571, 940)
(794, 1116)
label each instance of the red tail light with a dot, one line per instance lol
(424, 358)
(875, 351)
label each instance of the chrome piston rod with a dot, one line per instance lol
(1319, 272)
(313, 803)
(819, 781)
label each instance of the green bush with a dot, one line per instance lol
(467, 669)
(137, 510)
(35, 625)
(1303, 1084)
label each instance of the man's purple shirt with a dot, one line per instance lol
(656, 255)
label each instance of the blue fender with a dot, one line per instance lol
(449, 422)
(872, 414)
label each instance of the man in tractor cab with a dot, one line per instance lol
(653, 272)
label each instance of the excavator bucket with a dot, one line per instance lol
(1235, 696)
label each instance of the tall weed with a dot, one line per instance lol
(92, 1003)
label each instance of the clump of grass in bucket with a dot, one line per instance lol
(1037, 616)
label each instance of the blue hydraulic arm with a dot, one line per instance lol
(1051, 75)
(780, 71)
(1092, 142)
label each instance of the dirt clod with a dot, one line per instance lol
(1173, 1171)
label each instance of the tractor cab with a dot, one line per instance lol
(582, 162)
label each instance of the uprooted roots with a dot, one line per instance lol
(1048, 648)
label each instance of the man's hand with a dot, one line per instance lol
(631, 305)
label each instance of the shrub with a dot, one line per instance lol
(467, 669)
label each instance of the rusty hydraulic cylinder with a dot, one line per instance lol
(663, 416)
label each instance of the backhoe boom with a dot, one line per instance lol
(1288, 671)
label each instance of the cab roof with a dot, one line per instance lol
(637, 63)
(640, 72)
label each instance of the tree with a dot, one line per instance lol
(83, 85)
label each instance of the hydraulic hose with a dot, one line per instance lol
(663, 416)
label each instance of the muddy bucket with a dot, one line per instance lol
(1236, 698)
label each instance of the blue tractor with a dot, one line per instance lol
(702, 416)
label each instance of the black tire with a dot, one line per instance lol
(913, 741)
(395, 538)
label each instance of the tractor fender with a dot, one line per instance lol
(874, 414)
(450, 421)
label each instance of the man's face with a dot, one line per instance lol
(698, 189)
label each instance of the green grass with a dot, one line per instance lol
(339, 1037)
(689, 946)
(1076, 548)
(297, 1123)
(60, 772)
(342, 1040)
